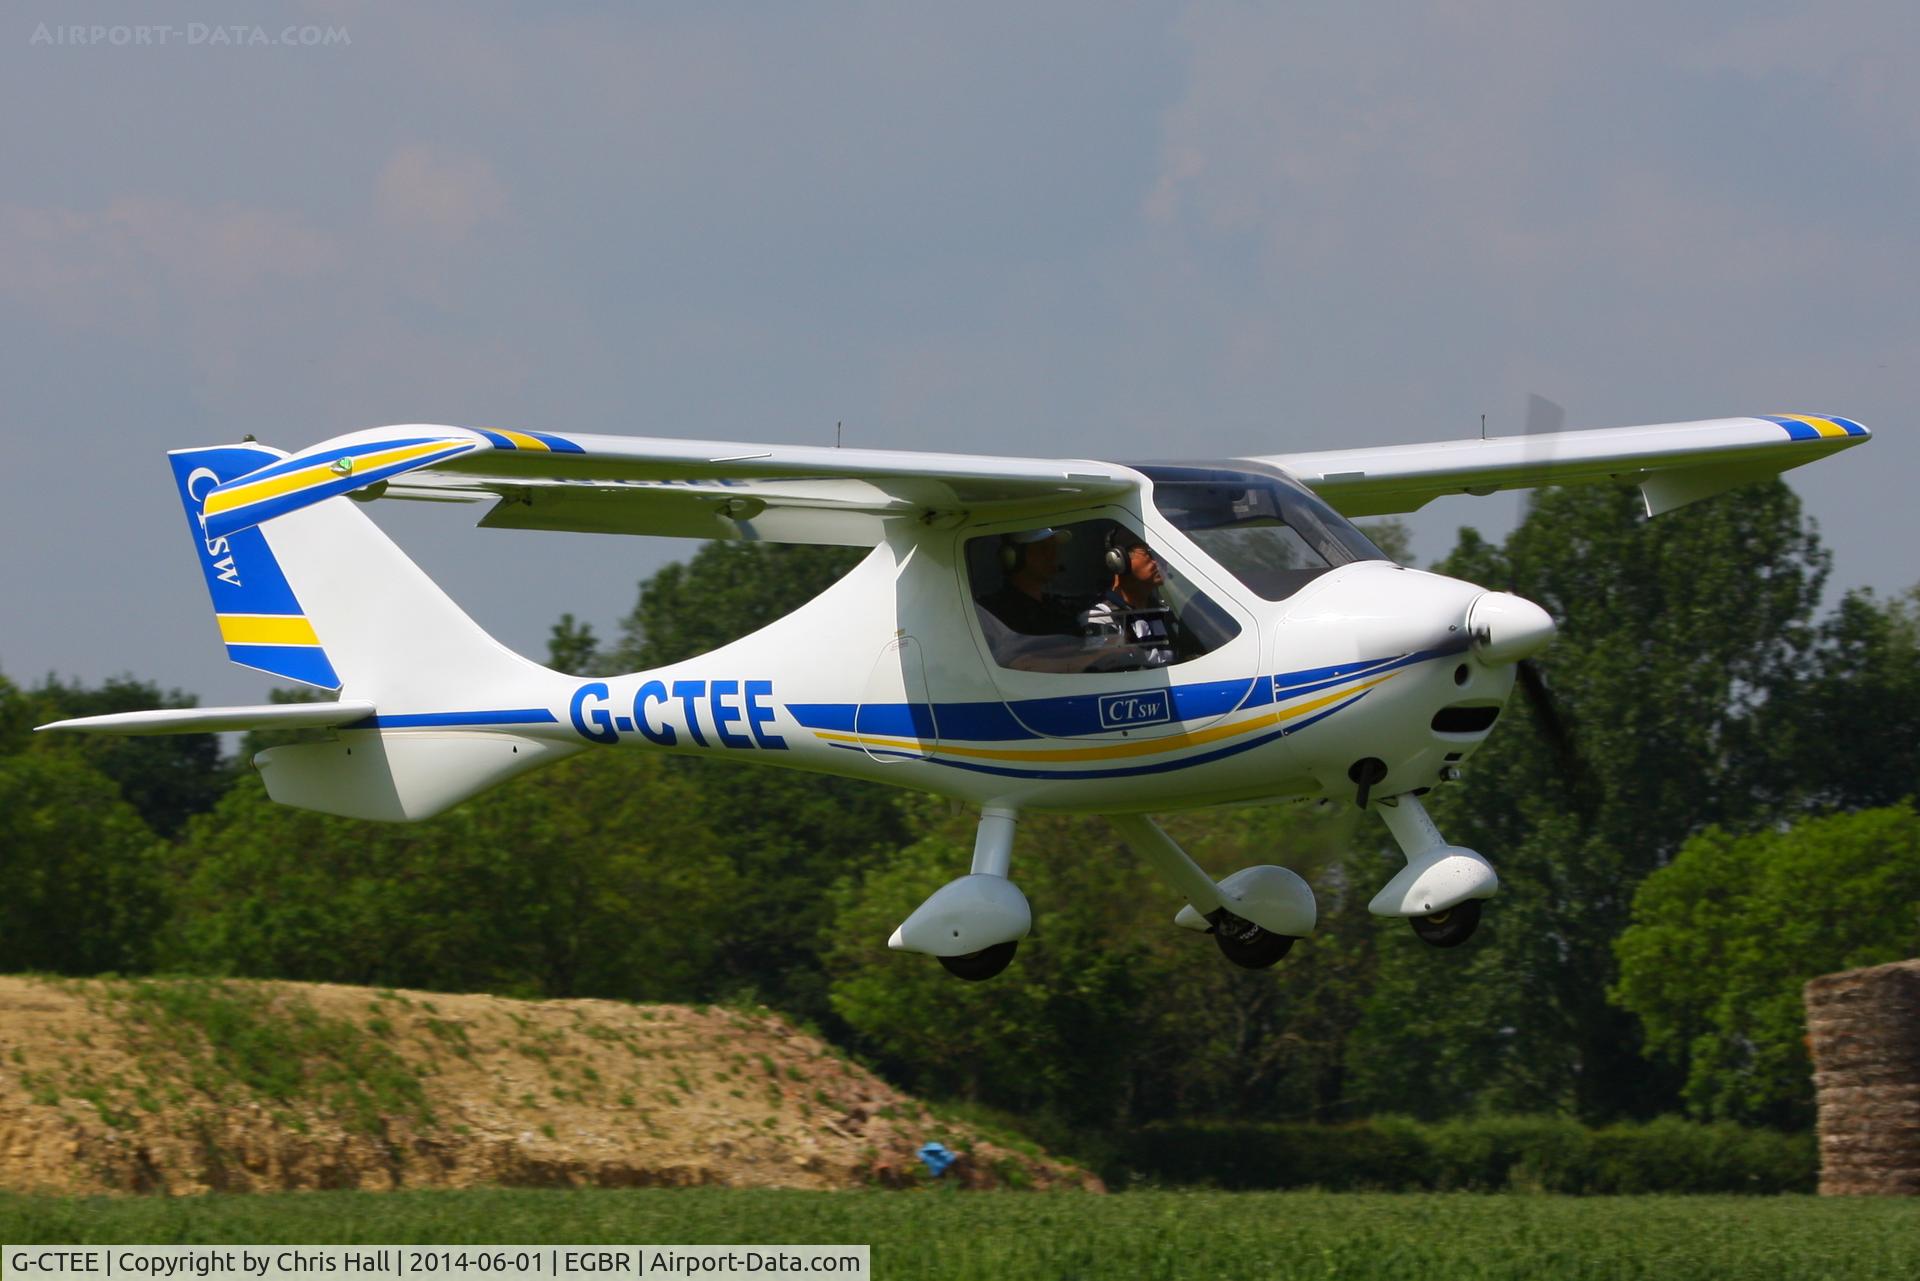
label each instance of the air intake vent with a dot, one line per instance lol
(1465, 720)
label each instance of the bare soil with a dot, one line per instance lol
(189, 1086)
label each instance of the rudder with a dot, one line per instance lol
(262, 622)
(320, 595)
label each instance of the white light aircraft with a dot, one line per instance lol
(1025, 635)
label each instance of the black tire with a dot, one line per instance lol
(1252, 948)
(977, 967)
(1450, 928)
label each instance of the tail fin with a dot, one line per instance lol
(261, 620)
(321, 596)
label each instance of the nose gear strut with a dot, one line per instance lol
(1440, 889)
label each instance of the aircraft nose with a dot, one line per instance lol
(1506, 628)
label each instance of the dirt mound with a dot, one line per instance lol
(186, 1085)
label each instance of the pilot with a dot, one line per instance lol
(1131, 612)
(1029, 560)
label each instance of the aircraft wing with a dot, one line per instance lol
(1675, 463)
(643, 485)
(810, 494)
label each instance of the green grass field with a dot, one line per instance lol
(939, 1234)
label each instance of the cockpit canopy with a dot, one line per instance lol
(1096, 597)
(1047, 601)
(1265, 529)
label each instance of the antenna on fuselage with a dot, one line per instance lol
(836, 435)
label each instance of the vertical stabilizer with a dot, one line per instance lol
(262, 621)
(321, 595)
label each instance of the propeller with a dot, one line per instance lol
(1539, 432)
(1547, 715)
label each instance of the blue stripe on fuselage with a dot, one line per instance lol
(1078, 715)
(1128, 771)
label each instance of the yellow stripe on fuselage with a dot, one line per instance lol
(321, 472)
(266, 629)
(1110, 751)
(1825, 426)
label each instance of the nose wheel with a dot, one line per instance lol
(1440, 890)
(1450, 928)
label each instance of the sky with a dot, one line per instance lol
(1074, 230)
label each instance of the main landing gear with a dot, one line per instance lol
(1449, 928)
(1254, 915)
(1246, 944)
(973, 924)
(1441, 888)
(987, 963)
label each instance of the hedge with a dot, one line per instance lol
(1496, 1154)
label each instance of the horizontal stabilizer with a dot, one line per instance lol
(211, 720)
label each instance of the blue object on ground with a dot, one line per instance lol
(937, 1158)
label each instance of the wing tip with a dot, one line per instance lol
(1818, 427)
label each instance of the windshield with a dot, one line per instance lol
(1271, 533)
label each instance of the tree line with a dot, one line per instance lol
(1720, 809)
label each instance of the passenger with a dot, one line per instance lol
(1131, 613)
(1029, 560)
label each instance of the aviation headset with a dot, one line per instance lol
(1013, 547)
(1121, 541)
